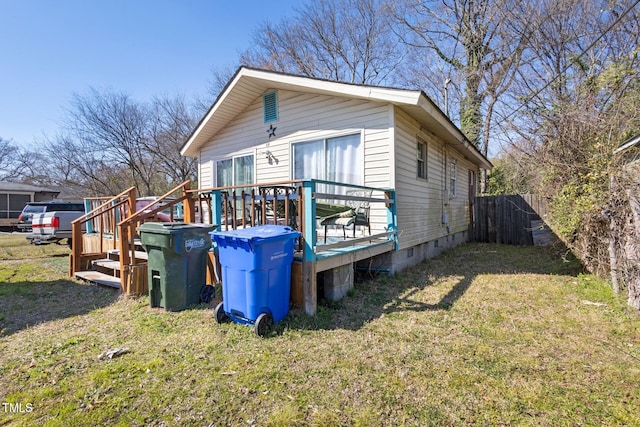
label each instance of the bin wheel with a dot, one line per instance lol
(220, 315)
(262, 325)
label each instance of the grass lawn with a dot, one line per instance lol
(482, 335)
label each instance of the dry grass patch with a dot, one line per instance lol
(482, 335)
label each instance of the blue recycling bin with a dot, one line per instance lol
(256, 274)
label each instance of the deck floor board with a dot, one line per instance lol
(99, 278)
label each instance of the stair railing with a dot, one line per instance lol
(108, 212)
(127, 228)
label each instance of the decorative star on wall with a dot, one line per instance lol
(271, 131)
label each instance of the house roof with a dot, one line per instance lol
(249, 83)
(26, 188)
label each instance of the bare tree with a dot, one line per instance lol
(171, 123)
(111, 142)
(109, 130)
(70, 162)
(480, 45)
(217, 82)
(580, 66)
(349, 41)
(11, 164)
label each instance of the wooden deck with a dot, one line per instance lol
(329, 258)
(112, 224)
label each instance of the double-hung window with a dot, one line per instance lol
(337, 159)
(421, 156)
(453, 173)
(235, 171)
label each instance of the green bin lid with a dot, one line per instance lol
(172, 227)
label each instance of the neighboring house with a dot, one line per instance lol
(267, 126)
(14, 196)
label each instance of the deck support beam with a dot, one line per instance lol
(309, 288)
(309, 281)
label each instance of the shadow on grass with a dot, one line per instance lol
(455, 269)
(25, 304)
(58, 256)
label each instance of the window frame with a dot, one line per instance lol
(325, 141)
(233, 168)
(424, 160)
(453, 178)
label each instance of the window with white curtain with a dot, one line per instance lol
(235, 171)
(337, 159)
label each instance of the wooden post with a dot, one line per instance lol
(392, 223)
(88, 208)
(215, 209)
(263, 201)
(244, 209)
(234, 209)
(309, 282)
(188, 204)
(125, 234)
(286, 207)
(211, 265)
(124, 254)
(300, 219)
(253, 207)
(76, 247)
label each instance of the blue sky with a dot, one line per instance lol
(50, 50)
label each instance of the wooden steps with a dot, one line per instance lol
(106, 271)
(107, 266)
(98, 278)
(114, 255)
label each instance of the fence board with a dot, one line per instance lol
(507, 219)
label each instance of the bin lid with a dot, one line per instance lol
(172, 227)
(258, 233)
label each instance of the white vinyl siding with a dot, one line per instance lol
(422, 204)
(459, 205)
(308, 117)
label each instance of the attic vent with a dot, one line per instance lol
(270, 101)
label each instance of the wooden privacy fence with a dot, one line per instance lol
(507, 219)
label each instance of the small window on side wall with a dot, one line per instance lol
(453, 175)
(270, 104)
(421, 156)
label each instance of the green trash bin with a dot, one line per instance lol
(177, 262)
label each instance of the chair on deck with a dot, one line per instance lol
(353, 212)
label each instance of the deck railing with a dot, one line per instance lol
(300, 204)
(101, 219)
(105, 223)
(317, 191)
(127, 228)
(116, 218)
(295, 203)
